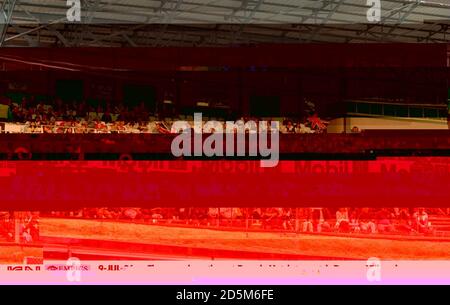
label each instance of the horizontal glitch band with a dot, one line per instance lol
(430, 142)
(386, 182)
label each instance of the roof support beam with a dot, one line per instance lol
(248, 8)
(129, 40)
(170, 11)
(328, 16)
(44, 25)
(443, 28)
(6, 11)
(92, 7)
(116, 33)
(32, 41)
(385, 18)
(402, 17)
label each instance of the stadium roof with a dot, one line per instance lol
(220, 22)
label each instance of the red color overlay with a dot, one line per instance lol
(387, 182)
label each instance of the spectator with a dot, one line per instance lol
(354, 222)
(308, 223)
(421, 221)
(366, 221)
(342, 221)
(404, 223)
(384, 223)
(286, 218)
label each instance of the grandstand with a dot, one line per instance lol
(67, 114)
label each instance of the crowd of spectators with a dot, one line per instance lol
(27, 225)
(307, 220)
(369, 220)
(79, 117)
(398, 221)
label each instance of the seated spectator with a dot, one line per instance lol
(366, 221)
(342, 221)
(200, 215)
(286, 218)
(318, 220)
(131, 213)
(384, 224)
(256, 216)
(6, 225)
(29, 229)
(226, 213)
(308, 224)
(104, 213)
(315, 221)
(213, 216)
(403, 221)
(289, 127)
(156, 215)
(269, 216)
(421, 222)
(237, 213)
(302, 128)
(256, 213)
(354, 222)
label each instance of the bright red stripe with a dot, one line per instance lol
(44, 185)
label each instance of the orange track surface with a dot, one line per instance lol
(274, 243)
